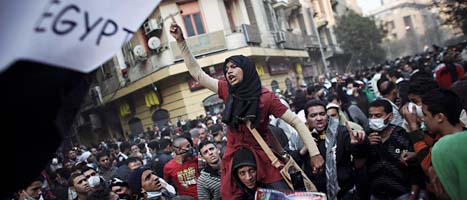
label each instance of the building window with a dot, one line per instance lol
(274, 85)
(269, 15)
(106, 70)
(161, 118)
(290, 88)
(408, 22)
(192, 18)
(213, 105)
(136, 127)
(230, 14)
(391, 25)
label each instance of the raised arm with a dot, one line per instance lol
(308, 140)
(193, 67)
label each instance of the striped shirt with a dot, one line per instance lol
(388, 177)
(209, 184)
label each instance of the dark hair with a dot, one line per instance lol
(349, 81)
(421, 74)
(86, 168)
(141, 146)
(310, 90)
(460, 88)
(166, 132)
(421, 85)
(389, 87)
(215, 129)
(394, 73)
(125, 145)
(133, 159)
(79, 166)
(154, 145)
(102, 193)
(382, 103)
(204, 143)
(63, 173)
(444, 101)
(101, 154)
(39, 178)
(183, 137)
(333, 97)
(312, 103)
(113, 146)
(72, 177)
(299, 100)
(164, 142)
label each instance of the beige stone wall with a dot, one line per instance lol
(180, 101)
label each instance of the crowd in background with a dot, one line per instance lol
(412, 110)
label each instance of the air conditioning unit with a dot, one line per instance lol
(279, 37)
(140, 52)
(97, 96)
(151, 25)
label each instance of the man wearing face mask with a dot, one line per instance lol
(33, 191)
(389, 92)
(182, 171)
(442, 109)
(388, 176)
(355, 96)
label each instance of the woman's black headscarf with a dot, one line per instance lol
(243, 100)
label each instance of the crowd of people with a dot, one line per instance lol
(395, 131)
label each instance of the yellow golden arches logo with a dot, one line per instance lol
(259, 69)
(298, 68)
(151, 99)
(124, 109)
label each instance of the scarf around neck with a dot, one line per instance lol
(243, 100)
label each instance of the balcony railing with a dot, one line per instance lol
(202, 44)
(296, 41)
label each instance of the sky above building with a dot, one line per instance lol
(368, 5)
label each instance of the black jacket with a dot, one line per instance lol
(344, 163)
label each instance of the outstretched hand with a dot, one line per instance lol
(356, 137)
(176, 31)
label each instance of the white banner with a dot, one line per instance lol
(74, 34)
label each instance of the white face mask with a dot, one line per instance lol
(418, 109)
(349, 92)
(153, 195)
(378, 124)
(94, 181)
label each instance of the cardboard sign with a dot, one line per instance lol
(78, 35)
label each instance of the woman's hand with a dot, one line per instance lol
(176, 32)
